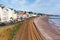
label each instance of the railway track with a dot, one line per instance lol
(28, 31)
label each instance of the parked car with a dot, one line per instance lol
(2, 24)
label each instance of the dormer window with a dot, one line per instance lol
(7, 9)
(11, 8)
(2, 7)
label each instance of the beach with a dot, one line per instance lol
(49, 30)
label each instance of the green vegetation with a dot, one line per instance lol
(30, 12)
(15, 29)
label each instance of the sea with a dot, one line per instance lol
(55, 20)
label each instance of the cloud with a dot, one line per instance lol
(24, 2)
(44, 6)
(14, 1)
(5, 1)
(36, 3)
(21, 2)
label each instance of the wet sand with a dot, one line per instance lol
(48, 30)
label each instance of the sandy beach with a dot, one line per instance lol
(48, 30)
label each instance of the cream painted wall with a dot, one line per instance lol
(6, 15)
(0, 12)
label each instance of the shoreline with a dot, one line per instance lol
(49, 30)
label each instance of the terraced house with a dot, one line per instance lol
(7, 14)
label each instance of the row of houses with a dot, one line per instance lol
(9, 14)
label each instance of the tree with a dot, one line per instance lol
(30, 12)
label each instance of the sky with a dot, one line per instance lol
(38, 6)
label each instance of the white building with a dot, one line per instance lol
(11, 15)
(3, 15)
(1, 11)
(6, 14)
